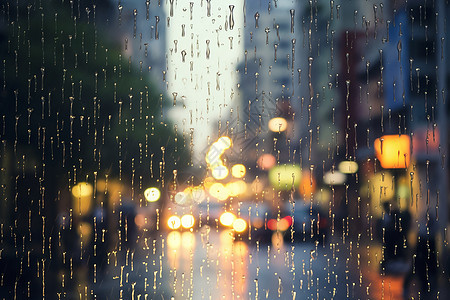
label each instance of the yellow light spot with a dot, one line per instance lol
(85, 231)
(174, 222)
(323, 196)
(82, 189)
(277, 124)
(239, 225)
(284, 177)
(188, 241)
(219, 191)
(152, 194)
(236, 188)
(348, 167)
(227, 218)
(238, 171)
(282, 225)
(174, 240)
(82, 197)
(187, 221)
(382, 187)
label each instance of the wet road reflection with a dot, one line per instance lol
(210, 265)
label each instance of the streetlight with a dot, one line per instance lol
(393, 151)
(277, 124)
(152, 194)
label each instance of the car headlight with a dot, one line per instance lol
(187, 221)
(227, 219)
(174, 222)
(239, 225)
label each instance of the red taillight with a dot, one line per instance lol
(281, 225)
(289, 219)
(272, 224)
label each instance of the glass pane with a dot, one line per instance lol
(238, 149)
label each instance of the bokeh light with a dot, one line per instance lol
(239, 225)
(284, 177)
(277, 124)
(219, 191)
(238, 171)
(187, 221)
(227, 218)
(174, 222)
(82, 189)
(266, 161)
(348, 167)
(152, 194)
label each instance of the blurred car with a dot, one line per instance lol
(309, 222)
(256, 215)
(178, 217)
(210, 212)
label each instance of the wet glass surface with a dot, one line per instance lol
(234, 149)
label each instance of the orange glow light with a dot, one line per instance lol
(393, 151)
(307, 184)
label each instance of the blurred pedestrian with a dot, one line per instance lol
(394, 229)
(424, 263)
(127, 225)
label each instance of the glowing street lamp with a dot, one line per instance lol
(152, 194)
(227, 218)
(277, 124)
(238, 171)
(82, 196)
(393, 151)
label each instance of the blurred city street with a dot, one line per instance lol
(236, 149)
(216, 268)
(211, 266)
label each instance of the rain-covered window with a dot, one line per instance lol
(224, 149)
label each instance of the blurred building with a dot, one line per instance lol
(142, 34)
(204, 46)
(273, 80)
(383, 73)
